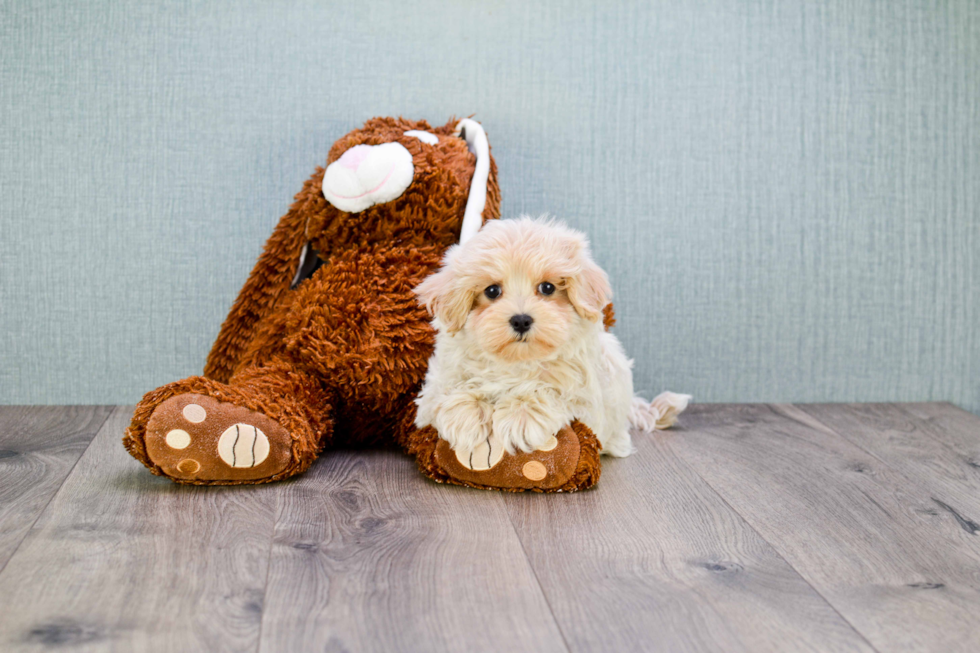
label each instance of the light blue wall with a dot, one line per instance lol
(786, 194)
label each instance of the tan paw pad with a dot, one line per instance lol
(483, 457)
(243, 445)
(189, 466)
(534, 471)
(178, 439)
(195, 413)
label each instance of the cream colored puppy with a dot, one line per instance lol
(520, 347)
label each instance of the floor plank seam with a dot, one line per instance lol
(929, 432)
(775, 549)
(966, 524)
(268, 571)
(40, 513)
(833, 431)
(534, 572)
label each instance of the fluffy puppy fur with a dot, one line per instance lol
(520, 346)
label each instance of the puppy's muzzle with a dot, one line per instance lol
(521, 323)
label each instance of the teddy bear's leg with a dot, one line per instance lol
(569, 462)
(268, 423)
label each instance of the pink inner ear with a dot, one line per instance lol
(354, 157)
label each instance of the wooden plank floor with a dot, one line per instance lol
(747, 528)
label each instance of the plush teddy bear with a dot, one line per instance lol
(327, 345)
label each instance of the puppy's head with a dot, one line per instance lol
(522, 288)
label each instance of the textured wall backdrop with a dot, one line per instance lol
(786, 194)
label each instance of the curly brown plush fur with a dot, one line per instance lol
(339, 358)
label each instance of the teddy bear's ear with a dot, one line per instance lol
(476, 140)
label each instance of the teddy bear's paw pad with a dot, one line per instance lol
(486, 456)
(490, 466)
(198, 438)
(483, 457)
(243, 445)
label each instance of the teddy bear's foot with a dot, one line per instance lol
(568, 462)
(196, 438)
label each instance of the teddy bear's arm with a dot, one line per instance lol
(270, 277)
(356, 323)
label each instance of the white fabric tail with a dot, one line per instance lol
(476, 141)
(659, 414)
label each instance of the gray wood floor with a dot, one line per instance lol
(747, 528)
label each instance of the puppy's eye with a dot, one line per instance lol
(546, 288)
(492, 292)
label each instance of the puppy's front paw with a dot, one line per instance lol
(464, 422)
(527, 425)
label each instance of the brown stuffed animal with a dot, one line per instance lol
(326, 343)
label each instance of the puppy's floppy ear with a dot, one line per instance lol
(589, 290)
(446, 296)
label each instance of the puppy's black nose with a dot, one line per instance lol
(521, 323)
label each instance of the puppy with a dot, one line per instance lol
(520, 347)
